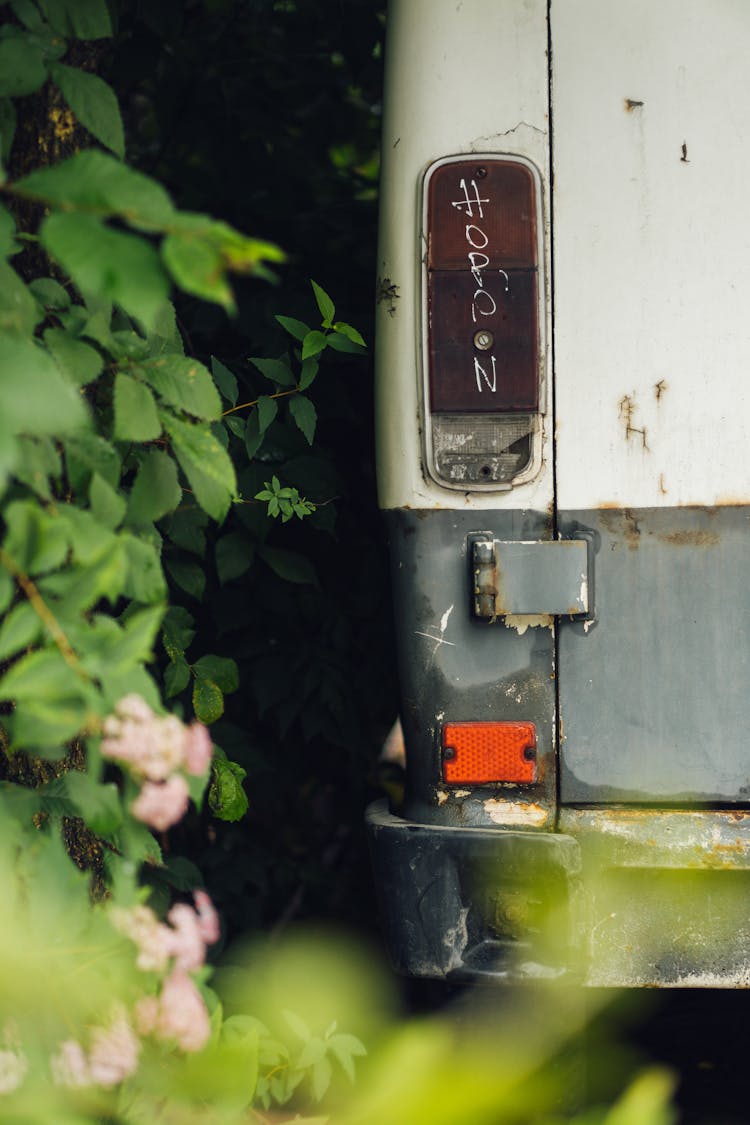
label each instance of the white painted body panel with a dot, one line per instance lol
(463, 77)
(652, 269)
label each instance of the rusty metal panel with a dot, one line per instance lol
(653, 691)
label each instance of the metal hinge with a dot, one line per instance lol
(546, 576)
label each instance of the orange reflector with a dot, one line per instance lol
(474, 753)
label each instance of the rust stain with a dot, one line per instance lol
(690, 538)
(660, 388)
(684, 156)
(662, 487)
(631, 104)
(627, 409)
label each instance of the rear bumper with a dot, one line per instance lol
(622, 898)
(474, 902)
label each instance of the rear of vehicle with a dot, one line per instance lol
(563, 362)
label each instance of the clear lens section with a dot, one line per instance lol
(477, 449)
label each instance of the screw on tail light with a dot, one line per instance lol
(482, 319)
(481, 753)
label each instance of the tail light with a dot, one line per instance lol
(482, 330)
(480, 753)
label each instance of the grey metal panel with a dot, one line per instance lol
(544, 577)
(456, 668)
(655, 691)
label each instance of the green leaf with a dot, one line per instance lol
(312, 1052)
(121, 267)
(42, 675)
(349, 332)
(308, 372)
(253, 436)
(94, 181)
(36, 540)
(19, 312)
(34, 397)
(21, 628)
(22, 69)
(196, 265)
(276, 369)
(176, 677)
(77, 360)
(345, 1048)
(267, 411)
(89, 453)
(156, 490)
(50, 293)
(8, 244)
(322, 1072)
(187, 528)
(97, 803)
(136, 417)
(313, 344)
(297, 1024)
(106, 504)
(184, 383)
(38, 461)
(7, 589)
(208, 700)
(94, 103)
(341, 344)
(289, 565)
(144, 576)
(7, 130)
(225, 380)
(294, 327)
(221, 670)
(177, 631)
(189, 576)
(304, 414)
(325, 304)
(226, 797)
(205, 463)
(138, 636)
(234, 556)
(28, 14)
(89, 18)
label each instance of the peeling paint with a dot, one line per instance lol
(455, 940)
(516, 812)
(523, 621)
(442, 796)
(462, 792)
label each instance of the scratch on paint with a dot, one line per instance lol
(443, 626)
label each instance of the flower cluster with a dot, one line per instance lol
(156, 751)
(178, 1014)
(112, 1057)
(13, 1062)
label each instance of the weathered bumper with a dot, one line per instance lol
(620, 898)
(474, 901)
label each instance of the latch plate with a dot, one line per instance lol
(528, 578)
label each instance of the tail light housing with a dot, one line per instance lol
(483, 320)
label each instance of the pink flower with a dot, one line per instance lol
(13, 1067)
(161, 805)
(153, 938)
(198, 749)
(69, 1065)
(151, 746)
(146, 1015)
(114, 1053)
(208, 919)
(188, 946)
(182, 1018)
